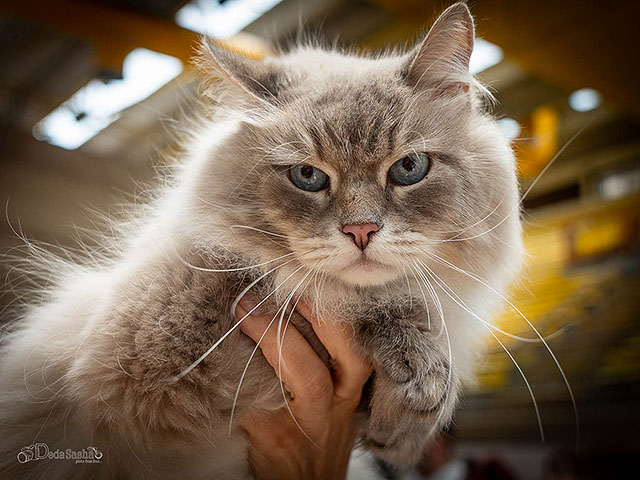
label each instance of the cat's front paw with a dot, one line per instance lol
(418, 380)
(414, 395)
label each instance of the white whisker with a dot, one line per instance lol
(404, 271)
(280, 344)
(246, 368)
(442, 412)
(526, 193)
(504, 195)
(443, 286)
(450, 355)
(264, 231)
(424, 297)
(516, 309)
(551, 162)
(238, 269)
(233, 307)
(433, 295)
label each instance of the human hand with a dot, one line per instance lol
(323, 401)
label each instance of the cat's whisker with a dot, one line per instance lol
(526, 193)
(444, 287)
(267, 153)
(553, 159)
(266, 232)
(495, 209)
(319, 288)
(315, 290)
(445, 263)
(280, 334)
(233, 307)
(246, 368)
(424, 297)
(535, 330)
(504, 332)
(318, 283)
(433, 296)
(238, 269)
(215, 204)
(404, 271)
(513, 247)
(478, 235)
(280, 344)
(323, 281)
(450, 355)
(272, 150)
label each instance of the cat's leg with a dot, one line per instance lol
(126, 385)
(415, 387)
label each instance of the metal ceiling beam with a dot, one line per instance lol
(115, 32)
(571, 44)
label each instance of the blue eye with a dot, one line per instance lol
(308, 178)
(410, 169)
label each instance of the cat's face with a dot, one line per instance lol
(363, 167)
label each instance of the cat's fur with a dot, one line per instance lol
(96, 364)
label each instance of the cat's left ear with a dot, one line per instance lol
(244, 80)
(441, 61)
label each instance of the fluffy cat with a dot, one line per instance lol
(376, 188)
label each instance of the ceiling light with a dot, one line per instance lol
(221, 19)
(98, 104)
(485, 54)
(584, 100)
(509, 127)
(620, 184)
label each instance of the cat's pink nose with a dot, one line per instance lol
(361, 233)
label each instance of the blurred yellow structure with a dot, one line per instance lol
(579, 260)
(539, 149)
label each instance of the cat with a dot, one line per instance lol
(379, 189)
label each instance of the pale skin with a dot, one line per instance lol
(323, 401)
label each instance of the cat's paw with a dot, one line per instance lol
(418, 380)
(402, 451)
(413, 398)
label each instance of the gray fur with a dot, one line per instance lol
(97, 363)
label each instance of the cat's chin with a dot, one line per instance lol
(368, 273)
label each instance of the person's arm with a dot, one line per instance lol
(323, 402)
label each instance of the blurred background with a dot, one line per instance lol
(89, 91)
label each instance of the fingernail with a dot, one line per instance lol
(248, 304)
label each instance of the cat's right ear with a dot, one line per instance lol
(441, 61)
(238, 79)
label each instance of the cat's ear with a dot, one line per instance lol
(244, 80)
(441, 61)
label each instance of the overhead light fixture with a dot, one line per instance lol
(620, 184)
(99, 103)
(509, 127)
(221, 19)
(485, 54)
(585, 99)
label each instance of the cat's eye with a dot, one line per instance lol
(410, 169)
(308, 178)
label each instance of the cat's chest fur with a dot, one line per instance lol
(163, 320)
(165, 317)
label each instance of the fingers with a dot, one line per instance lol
(295, 362)
(351, 369)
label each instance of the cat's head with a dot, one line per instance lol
(358, 166)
